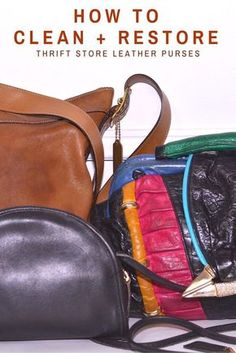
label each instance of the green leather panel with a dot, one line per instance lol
(213, 142)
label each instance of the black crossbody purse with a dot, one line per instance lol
(61, 279)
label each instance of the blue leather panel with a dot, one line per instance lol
(147, 164)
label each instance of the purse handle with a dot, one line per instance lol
(158, 133)
(19, 101)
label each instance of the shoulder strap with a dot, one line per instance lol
(128, 341)
(213, 332)
(19, 101)
(156, 136)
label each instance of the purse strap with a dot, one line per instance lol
(137, 266)
(15, 100)
(157, 135)
(195, 330)
(213, 332)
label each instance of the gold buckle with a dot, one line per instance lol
(119, 107)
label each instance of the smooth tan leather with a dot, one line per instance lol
(43, 144)
(96, 103)
(157, 135)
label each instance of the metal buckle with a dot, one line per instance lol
(119, 107)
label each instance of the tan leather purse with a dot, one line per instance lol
(43, 147)
(44, 144)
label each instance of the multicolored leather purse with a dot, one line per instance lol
(175, 213)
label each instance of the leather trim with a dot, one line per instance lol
(138, 248)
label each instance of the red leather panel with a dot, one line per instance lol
(164, 246)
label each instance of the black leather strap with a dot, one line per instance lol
(128, 343)
(137, 266)
(206, 347)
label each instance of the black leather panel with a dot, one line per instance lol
(220, 308)
(174, 186)
(214, 308)
(58, 278)
(212, 202)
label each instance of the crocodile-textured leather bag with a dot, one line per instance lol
(175, 213)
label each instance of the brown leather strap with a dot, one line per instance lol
(157, 135)
(19, 101)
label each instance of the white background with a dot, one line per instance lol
(201, 90)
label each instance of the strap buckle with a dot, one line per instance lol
(118, 108)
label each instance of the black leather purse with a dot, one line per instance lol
(60, 278)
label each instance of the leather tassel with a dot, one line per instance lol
(117, 149)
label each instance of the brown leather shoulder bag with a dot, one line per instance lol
(44, 144)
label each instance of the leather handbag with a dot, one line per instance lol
(174, 213)
(44, 146)
(45, 143)
(61, 279)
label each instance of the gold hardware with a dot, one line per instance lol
(129, 204)
(201, 285)
(204, 286)
(157, 312)
(126, 277)
(128, 282)
(120, 105)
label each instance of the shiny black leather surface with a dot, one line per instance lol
(214, 308)
(174, 186)
(212, 202)
(58, 278)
